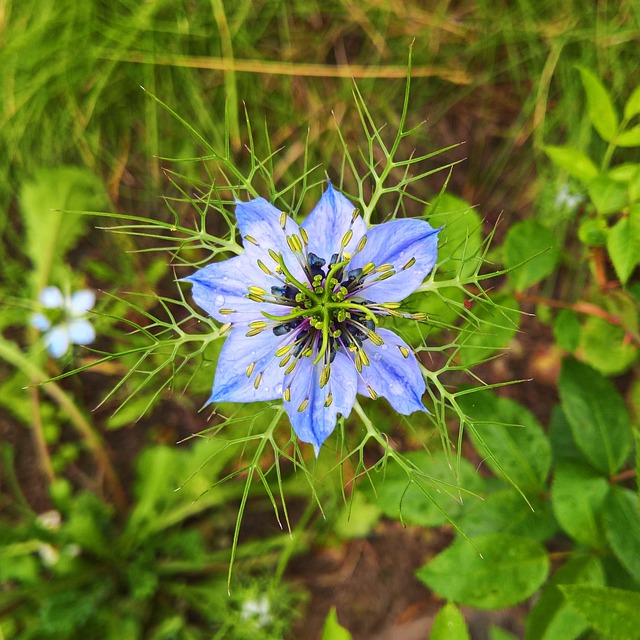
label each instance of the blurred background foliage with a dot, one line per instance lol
(94, 541)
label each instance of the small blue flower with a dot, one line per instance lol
(304, 304)
(64, 323)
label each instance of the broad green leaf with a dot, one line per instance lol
(593, 232)
(566, 329)
(608, 196)
(615, 613)
(332, 630)
(578, 494)
(449, 624)
(622, 528)
(602, 113)
(509, 438)
(632, 107)
(629, 138)
(623, 244)
(534, 248)
(624, 172)
(498, 633)
(597, 414)
(496, 322)
(574, 162)
(551, 617)
(603, 346)
(357, 518)
(51, 231)
(437, 495)
(460, 241)
(506, 511)
(509, 570)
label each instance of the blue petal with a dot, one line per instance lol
(81, 302)
(397, 243)
(40, 322)
(232, 384)
(57, 341)
(260, 221)
(391, 375)
(224, 285)
(316, 422)
(51, 298)
(81, 332)
(327, 224)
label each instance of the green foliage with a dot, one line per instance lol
(332, 629)
(449, 624)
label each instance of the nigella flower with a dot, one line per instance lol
(304, 305)
(63, 321)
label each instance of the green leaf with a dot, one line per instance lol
(629, 138)
(460, 241)
(534, 248)
(495, 323)
(597, 415)
(613, 612)
(603, 346)
(498, 633)
(437, 495)
(510, 570)
(509, 438)
(506, 511)
(623, 244)
(578, 494)
(566, 330)
(622, 528)
(449, 624)
(51, 230)
(608, 196)
(574, 162)
(632, 107)
(552, 617)
(357, 518)
(602, 113)
(332, 629)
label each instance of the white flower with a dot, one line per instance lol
(71, 327)
(257, 609)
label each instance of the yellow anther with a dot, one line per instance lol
(290, 368)
(372, 392)
(251, 240)
(346, 238)
(257, 381)
(304, 235)
(420, 317)
(404, 351)
(286, 394)
(224, 328)
(283, 220)
(329, 400)
(364, 357)
(254, 332)
(324, 376)
(368, 268)
(385, 275)
(409, 264)
(254, 297)
(375, 338)
(282, 350)
(384, 267)
(257, 324)
(285, 361)
(359, 363)
(274, 255)
(391, 305)
(361, 244)
(303, 405)
(354, 215)
(226, 312)
(250, 369)
(257, 291)
(264, 267)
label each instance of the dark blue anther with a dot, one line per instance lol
(315, 264)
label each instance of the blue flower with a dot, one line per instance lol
(304, 305)
(63, 322)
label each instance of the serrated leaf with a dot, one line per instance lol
(509, 439)
(597, 415)
(602, 113)
(622, 528)
(632, 107)
(51, 231)
(604, 346)
(530, 253)
(613, 612)
(574, 162)
(623, 244)
(449, 624)
(332, 630)
(552, 617)
(608, 196)
(629, 138)
(577, 496)
(427, 505)
(509, 571)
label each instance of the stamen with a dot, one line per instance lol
(375, 338)
(346, 238)
(329, 400)
(282, 350)
(286, 394)
(304, 235)
(254, 332)
(226, 312)
(324, 376)
(251, 240)
(372, 392)
(257, 324)
(303, 405)
(257, 291)
(224, 328)
(264, 267)
(283, 220)
(354, 215)
(409, 264)
(250, 369)
(404, 351)
(258, 380)
(361, 244)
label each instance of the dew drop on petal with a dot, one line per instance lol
(384, 347)
(377, 356)
(219, 301)
(278, 388)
